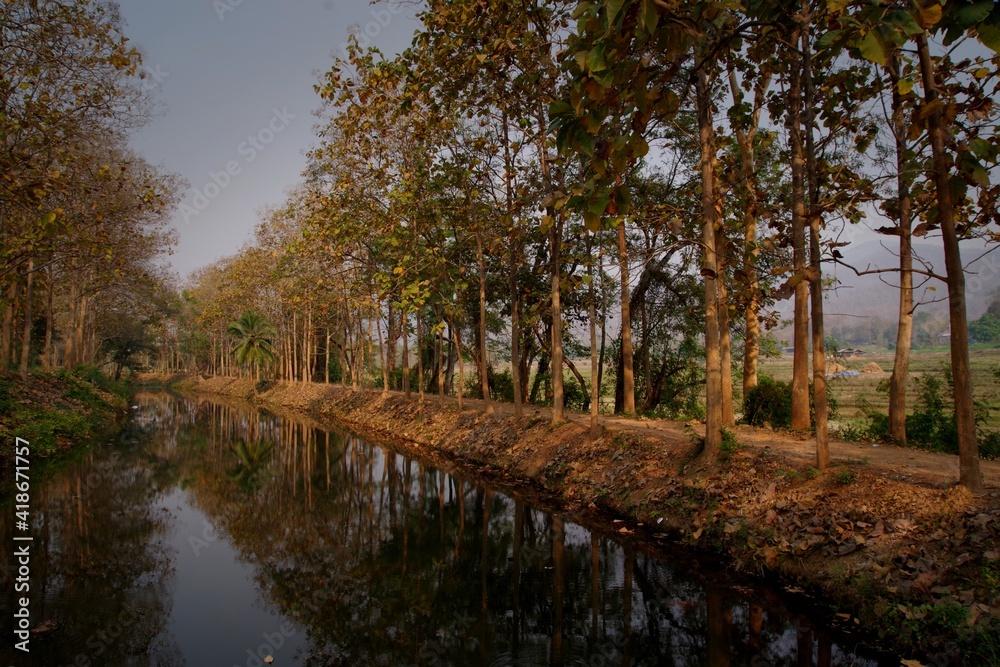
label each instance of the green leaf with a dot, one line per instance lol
(871, 48)
(983, 149)
(592, 221)
(595, 60)
(614, 7)
(648, 16)
(989, 35)
(904, 86)
(598, 204)
(970, 15)
(905, 22)
(827, 40)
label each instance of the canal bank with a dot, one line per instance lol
(903, 556)
(58, 412)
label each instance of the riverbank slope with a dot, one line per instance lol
(57, 412)
(897, 549)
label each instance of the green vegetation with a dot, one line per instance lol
(931, 425)
(56, 411)
(845, 476)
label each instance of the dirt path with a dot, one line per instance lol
(904, 464)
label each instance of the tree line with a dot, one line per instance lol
(83, 218)
(526, 176)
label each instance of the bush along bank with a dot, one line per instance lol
(916, 565)
(57, 412)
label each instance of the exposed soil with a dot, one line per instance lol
(885, 533)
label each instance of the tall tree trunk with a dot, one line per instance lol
(406, 355)
(48, 354)
(800, 359)
(80, 344)
(440, 366)
(595, 396)
(745, 139)
(326, 358)
(7, 328)
(484, 375)
(390, 342)
(383, 350)
(456, 334)
(725, 341)
(904, 329)
(557, 347)
(26, 335)
(968, 448)
(816, 266)
(713, 375)
(420, 360)
(515, 301)
(628, 375)
(68, 351)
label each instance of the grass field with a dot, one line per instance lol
(852, 392)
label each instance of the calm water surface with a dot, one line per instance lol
(216, 534)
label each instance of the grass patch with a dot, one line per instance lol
(54, 411)
(845, 476)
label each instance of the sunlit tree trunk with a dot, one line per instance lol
(557, 346)
(406, 355)
(420, 359)
(968, 448)
(745, 139)
(725, 341)
(515, 300)
(904, 329)
(382, 351)
(484, 378)
(816, 266)
(440, 366)
(628, 399)
(595, 396)
(713, 375)
(461, 365)
(800, 325)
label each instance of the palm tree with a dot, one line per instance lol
(255, 335)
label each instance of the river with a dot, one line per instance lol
(213, 533)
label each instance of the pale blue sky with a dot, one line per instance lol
(228, 70)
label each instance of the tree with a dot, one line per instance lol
(255, 340)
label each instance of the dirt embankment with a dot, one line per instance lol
(57, 413)
(906, 553)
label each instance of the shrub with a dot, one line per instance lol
(501, 386)
(931, 426)
(770, 401)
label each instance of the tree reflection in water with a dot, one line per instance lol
(99, 568)
(384, 560)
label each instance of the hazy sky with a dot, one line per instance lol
(235, 81)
